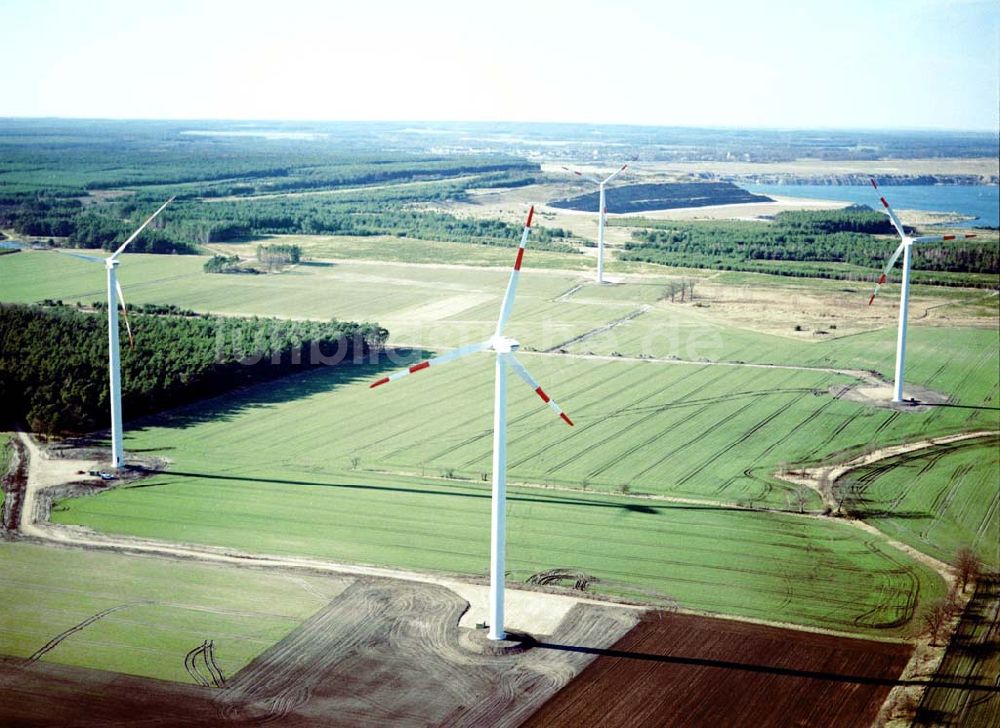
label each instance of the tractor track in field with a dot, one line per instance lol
(759, 425)
(600, 329)
(868, 377)
(864, 376)
(57, 640)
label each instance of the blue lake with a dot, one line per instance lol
(983, 201)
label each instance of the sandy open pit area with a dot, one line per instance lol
(822, 313)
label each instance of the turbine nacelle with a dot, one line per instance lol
(504, 345)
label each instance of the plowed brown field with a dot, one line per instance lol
(682, 670)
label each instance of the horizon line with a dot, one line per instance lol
(720, 127)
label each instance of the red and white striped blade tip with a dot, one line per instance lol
(531, 214)
(409, 370)
(566, 419)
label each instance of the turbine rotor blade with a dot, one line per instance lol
(925, 239)
(128, 327)
(436, 361)
(519, 369)
(885, 271)
(614, 174)
(142, 227)
(578, 173)
(888, 209)
(508, 296)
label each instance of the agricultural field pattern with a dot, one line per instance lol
(736, 500)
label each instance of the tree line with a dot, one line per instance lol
(54, 363)
(806, 240)
(276, 255)
(393, 211)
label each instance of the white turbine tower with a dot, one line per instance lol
(115, 295)
(602, 212)
(905, 245)
(504, 348)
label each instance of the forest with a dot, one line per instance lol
(91, 184)
(821, 244)
(397, 211)
(54, 363)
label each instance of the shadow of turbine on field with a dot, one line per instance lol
(878, 515)
(764, 669)
(982, 407)
(484, 494)
(317, 380)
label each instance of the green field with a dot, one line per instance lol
(269, 470)
(763, 565)
(163, 609)
(420, 305)
(943, 498)
(402, 250)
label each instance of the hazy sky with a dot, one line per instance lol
(773, 63)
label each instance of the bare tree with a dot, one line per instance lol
(802, 497)
(967, 565)
(935, 618)
(840, 491)
(847, 494)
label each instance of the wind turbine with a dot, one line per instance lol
(905, 245)
(115, 295)
(504, 348)
(602, 212)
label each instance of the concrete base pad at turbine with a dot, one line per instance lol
(916, 399)
(477, 640)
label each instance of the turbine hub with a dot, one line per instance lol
(504, 345)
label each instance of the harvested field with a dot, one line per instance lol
(686, 670)
(383, 652)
